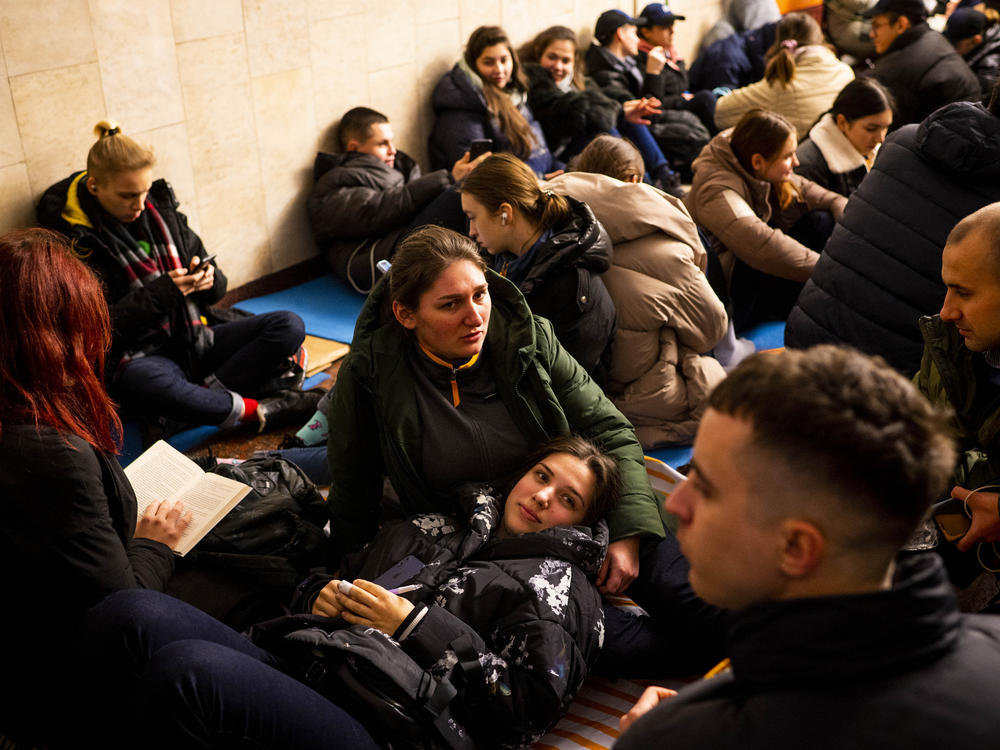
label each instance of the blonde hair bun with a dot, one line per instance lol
(106, 128)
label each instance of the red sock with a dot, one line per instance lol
(249, 410)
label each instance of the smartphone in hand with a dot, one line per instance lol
(479, 147)
(203, 264)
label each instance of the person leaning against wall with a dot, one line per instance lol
(174, 359)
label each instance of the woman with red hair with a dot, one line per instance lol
(68, 528)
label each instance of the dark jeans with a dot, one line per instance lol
(758, 297)
(683, 636)
(191, 681)
(311, 460)
(245, 354)
(652, 154)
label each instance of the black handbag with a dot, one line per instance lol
(366, 673)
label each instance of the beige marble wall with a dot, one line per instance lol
(236, 96)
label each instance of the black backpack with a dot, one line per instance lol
(246, 569)
(366, 673)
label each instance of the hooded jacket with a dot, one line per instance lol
(893, 669)
(829, 159)
(742, 214)
(668, 315)
(545, 391)
(881, 269)
(924, 73)
(819, 77)
(136, 314)
(564, 284)
(461, 116)
(520, 612)
(568, 115)
(358, 200)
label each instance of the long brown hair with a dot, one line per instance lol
(532, 51)
(498, 101)
(502, 178)
(54, 332)
(794, 30)
(762, 132)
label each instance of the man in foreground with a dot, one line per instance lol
(811, 469)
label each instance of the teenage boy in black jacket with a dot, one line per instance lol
(366, 197)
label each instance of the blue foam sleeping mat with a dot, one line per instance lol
(327, 306)
(764, 336)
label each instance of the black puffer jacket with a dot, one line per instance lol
(923, 72)
(523, 607)
(564, 285)
(136, 314)
(564, 115)
(881, 269)
(461, 116)
(358, 202)
(893, 670)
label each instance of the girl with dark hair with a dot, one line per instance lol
(451, 378)
(768, 224)
(801, 78)
(69, 533)
(485, 96)
(499, 609)
(551, 247)
(572, 109)
(842, 146)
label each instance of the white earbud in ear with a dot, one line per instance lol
(503, 218)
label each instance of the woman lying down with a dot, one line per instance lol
(479, 636)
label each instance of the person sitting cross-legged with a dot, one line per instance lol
(168, 343)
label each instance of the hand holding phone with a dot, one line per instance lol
(202, 265)
(479, 147)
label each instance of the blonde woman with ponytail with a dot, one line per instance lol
(160, 284)
(551, 247)
(802, 77)
(485, 96)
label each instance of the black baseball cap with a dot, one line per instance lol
(913, 9)
(611, 20)
(658, 14)
(963, 23)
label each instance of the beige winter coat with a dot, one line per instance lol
(667, 314)
(739, 210)
(819, 77)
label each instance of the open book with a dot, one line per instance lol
(164, 473)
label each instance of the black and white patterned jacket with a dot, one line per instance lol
(520, 615)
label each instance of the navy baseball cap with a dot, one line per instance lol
(963, 23)
(611, 20)
(658, 14)
(909, 8)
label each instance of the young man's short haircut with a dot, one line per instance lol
(839, 422)
(356, 124)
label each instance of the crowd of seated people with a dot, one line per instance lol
(549, 307)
